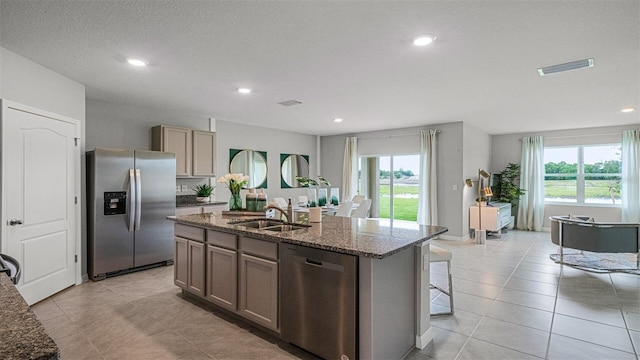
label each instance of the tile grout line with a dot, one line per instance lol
(494, 300)
(624, 319)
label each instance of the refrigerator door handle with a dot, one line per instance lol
(138, 199)
(132, 199)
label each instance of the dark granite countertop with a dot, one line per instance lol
(190, 200)
(22, 336)
(377, 238)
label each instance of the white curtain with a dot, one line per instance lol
(531, 207)
(630, 176)
(350, 168)
(428, 191)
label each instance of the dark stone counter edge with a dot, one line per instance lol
(22, 334)
(266, 236)
(195, 204)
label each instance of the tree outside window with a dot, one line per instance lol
(583, 174)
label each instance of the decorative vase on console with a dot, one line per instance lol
(335, 196)
(322, 192)
(312, 198)
(322, 197)
(234, 183)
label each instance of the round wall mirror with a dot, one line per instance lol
(251, 163)
(292, 165)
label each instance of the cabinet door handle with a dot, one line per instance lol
(14, 222)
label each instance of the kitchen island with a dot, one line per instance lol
(22, 336)
(392, 277)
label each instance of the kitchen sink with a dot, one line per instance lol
(269, 224)
(286, 227)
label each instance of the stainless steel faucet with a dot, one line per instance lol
(287, 213)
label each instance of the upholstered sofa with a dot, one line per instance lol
(583, 233)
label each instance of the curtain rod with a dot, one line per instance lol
(574, 136)
(390, 136)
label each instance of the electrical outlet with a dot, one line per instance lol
(185, 188)
(178, 188)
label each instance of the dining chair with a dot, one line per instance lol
(357, 199)
(302, 200)
(362, 210)
(344, 209)
(280, 201)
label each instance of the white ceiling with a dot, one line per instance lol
(349, 59)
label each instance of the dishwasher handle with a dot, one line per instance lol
(313, 262)
(317, 263)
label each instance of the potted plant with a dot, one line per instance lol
(507, 189)
(308, 182)
(203, 192)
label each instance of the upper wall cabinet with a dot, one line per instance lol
(204, 153)
(194, 149)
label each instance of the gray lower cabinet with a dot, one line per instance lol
(196, 268)
(236, 273)
(222, 277)
(259, 290)
(189, 259)
(181, 262)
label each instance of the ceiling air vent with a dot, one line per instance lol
(586, 63)
(290, 103)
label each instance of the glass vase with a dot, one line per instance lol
(312, 199)
(322, 197)
(235, 203)
(335, 196)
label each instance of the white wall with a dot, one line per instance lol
(28, 83)
(25, 82)
(507, 148)
(275, 142)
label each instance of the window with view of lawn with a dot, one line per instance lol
(392, 181)
(589, 174)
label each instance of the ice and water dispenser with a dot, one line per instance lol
(115, 202)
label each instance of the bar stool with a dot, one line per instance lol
(438, 254)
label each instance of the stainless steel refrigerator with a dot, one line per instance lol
(129, 195)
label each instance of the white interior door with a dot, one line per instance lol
(40, 180)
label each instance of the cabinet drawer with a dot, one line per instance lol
(262, 248)
(221, 239)
(189, 232)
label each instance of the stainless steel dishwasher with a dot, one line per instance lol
(319, 298)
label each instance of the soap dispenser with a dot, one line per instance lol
(262, 201)
(252, 199)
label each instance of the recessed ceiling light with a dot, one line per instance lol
(628, 109)
(337, 120)
(244, 91)
(423, 40)
(137, 62)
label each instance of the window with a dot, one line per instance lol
(583, 174)
(392, 181)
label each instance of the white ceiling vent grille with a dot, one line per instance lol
(579, 64)
(290, 103)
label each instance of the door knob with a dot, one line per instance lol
(14, 222)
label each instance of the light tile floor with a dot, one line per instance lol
(511, 302)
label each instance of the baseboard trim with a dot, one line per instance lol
(453, 238)
(424, 339)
